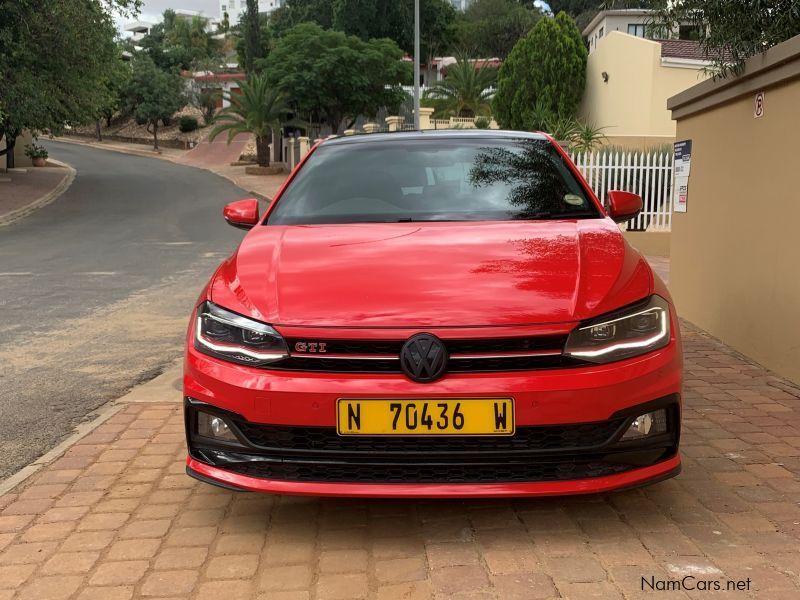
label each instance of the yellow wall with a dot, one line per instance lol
(735, 254)
(634, 101)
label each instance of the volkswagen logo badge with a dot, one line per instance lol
(423, 358)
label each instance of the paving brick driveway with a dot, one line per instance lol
(116, 518)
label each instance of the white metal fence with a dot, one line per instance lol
(648, 174)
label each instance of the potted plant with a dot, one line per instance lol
(37, 154)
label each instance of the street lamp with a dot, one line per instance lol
(416, 64)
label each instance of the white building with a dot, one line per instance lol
(138, 29)
(461, 4)
(633, 21)
(188, 15)
(235, 8)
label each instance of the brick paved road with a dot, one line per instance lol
(115, 517)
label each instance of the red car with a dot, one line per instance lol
(434, 314)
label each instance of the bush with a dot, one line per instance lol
(482, 122)
(544, 75)
(36, 151)
(187, 124)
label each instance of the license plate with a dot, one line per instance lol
(451, 416)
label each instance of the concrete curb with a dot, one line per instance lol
(140, 393)
(120, 149)
(107, 411)
(20, 213)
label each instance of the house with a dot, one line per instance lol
(211, 24)
(235, 8)
(138, 29)
(436, 70)
(461, 5)
(628, 81)
(224, 82)
(633, 21)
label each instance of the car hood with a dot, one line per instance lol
(432, 274)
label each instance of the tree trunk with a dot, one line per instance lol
(11, 141)
(262, 151)
(277, 143)
(155, 136)
(98, 131)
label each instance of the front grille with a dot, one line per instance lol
(429, 473)
(525, 439)
(466, 356)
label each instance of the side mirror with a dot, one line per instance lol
(242, 213)
(623, 206)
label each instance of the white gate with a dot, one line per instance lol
(648, 174)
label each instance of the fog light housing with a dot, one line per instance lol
(647, 425)
(214, 427)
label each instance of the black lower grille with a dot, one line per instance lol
(550, 437)
(532, 454)
(427, 473)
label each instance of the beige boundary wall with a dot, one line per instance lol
(735, 254)
(650, 243)
(631, 104)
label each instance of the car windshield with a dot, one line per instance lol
(411, 180)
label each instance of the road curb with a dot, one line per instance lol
(103, 414)
(121, 150)
(107, 411)
(20, 213)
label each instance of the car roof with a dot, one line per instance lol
(434, 134)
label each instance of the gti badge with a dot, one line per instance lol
(318, 347)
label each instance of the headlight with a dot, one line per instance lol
(636, 330)
(232, 337)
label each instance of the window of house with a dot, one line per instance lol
(233, 4)
(688, 32)
(600, 34)
(636, 29)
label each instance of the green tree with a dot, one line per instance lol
(329, 76)
(253, 43)
(491, 27)
(112, 84)
(465, 91)
(152, 95)
(252, 48)
(260, 109)
(373, 19)
(731, 31)
(53, 59)
(438, 30)
(181, 43)
(545, 71)
(295, 12)
(156, 44)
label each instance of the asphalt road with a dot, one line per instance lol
(96, 289)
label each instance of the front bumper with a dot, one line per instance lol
(538, 460)
(599, 394)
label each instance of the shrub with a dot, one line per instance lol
(482, 122)
(187, 124)
(34, 150)
(544, 74)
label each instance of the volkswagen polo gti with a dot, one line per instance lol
(434, 314)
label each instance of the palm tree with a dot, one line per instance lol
(466, 90)
(259, 110)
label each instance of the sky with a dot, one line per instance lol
(152, 9)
